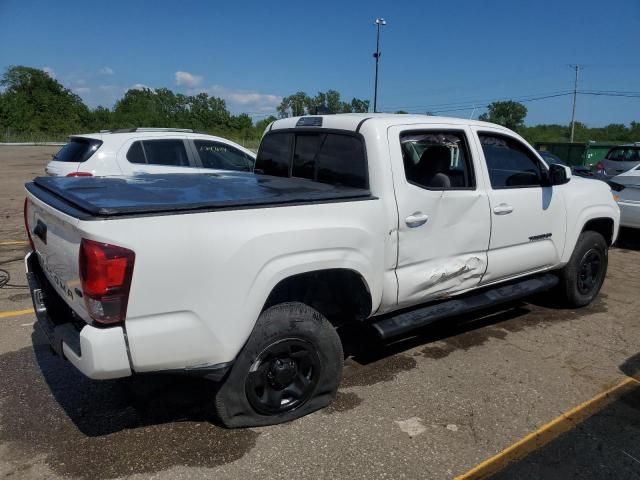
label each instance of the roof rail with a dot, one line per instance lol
(147, 129)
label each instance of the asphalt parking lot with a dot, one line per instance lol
(521, 386)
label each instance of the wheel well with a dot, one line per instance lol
(604, 226)
(340, 295)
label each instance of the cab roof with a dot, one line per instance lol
(353, 121)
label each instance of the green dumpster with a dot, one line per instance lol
(585, 154)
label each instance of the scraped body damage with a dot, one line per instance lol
(440, 277)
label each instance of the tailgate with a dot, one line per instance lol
(56, 239)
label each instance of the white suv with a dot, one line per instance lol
(147, 150)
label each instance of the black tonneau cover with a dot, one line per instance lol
(167, 193)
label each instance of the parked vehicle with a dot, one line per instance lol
(380, 222)
(147, 150)
(579, 170)
(618, 160)
(627, 193)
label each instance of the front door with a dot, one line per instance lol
(528, 218)
(444, 220)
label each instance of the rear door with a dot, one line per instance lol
(528, 218)
(166, 154)
(444, 221)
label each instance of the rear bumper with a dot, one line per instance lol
(99, 353)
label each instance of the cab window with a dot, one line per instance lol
(221, 156)
(510, 163)
(437, 160)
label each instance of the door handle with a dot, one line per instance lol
(416, 219)
(503, 209)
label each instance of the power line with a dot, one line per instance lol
(462, 106)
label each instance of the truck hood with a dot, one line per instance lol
(148, 194)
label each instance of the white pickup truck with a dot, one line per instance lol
(389, 222)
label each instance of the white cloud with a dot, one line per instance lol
(139, 86)
(49, 71)
(186, 79)
(106, 71)
(239, 101)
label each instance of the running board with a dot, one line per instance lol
(409, 320)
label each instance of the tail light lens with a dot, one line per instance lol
(26, 223)
(80, 174)
(600, 167)
(105, 276)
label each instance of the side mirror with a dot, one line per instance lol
(559, 174)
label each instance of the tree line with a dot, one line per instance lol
(33, 102)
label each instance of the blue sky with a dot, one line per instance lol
(434, 54)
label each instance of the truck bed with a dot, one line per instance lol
(90, 197)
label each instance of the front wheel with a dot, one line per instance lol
(290, 366)
(582, 277)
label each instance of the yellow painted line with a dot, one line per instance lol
(14, 242)
(16, 313)
(548, 432)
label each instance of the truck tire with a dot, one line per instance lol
(290, 366)
(582, 277)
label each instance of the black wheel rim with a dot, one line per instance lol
(589, 271)
(283, 376)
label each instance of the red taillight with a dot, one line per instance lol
(600, 167)
(26, 222)
(80, 174)
(105, 275)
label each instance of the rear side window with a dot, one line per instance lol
(624, 154)
(510, 163)
(78, 150)
(136, 154)
(221, 156)
(437, 160)
(325, 157)
(171, 153)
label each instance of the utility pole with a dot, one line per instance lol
(575, 93)
(379, 22)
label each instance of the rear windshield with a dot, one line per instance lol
(77, 150)
(624, 154)
(326, 157)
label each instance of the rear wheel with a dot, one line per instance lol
(290, 366)
(582, 278)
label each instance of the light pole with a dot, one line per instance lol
(379, 22)
(575, 92)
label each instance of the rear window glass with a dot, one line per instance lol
(274, 155)
(624, 154)
(333, 158)
(77, 150)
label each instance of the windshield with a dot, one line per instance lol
(77, 150)
(624, 154)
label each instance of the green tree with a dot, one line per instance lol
(293, 105)
(262, 125)
(509, 114)
(326, 102)
(32, 101)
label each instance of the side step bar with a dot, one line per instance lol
(405, 322)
